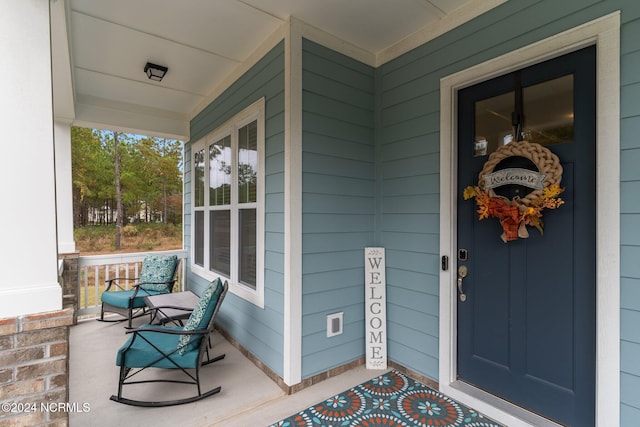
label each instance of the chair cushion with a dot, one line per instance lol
(121, 298)
(140, 353)
(158, 268)
(201, 315)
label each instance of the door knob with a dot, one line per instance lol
(462, 273)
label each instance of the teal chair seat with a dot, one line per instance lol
(123, 298)
(141, 353)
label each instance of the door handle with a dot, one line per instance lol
(462, 273)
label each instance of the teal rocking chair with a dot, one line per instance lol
(180, 349)
(156, 277)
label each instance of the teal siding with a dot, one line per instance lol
(338, 185)
(409, 137)
(371, 177)
(409, 143)
(259, 330)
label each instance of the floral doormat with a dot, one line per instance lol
(390, 400)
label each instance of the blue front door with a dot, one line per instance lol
(526, 327)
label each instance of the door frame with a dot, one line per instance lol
(605, 34)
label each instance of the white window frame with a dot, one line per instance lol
(255, 111)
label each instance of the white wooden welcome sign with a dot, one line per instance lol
(375, 308)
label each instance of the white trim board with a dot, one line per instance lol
(292, 352)
(605, 34)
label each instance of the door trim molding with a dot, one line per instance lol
(605, 34)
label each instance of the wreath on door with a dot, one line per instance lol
(541, 180)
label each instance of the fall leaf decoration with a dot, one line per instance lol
(518, 213)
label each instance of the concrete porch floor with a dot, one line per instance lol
(248, 397)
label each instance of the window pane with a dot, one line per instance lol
(247, 162)
(199, 239)
(548, 111)
(220, 172)
(198, 177)
(219, 241)
(247, 249)
(493, 123)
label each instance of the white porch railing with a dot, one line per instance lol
(95, 270)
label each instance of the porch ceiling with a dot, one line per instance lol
(203, 42)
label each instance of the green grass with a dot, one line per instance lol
(100, 239)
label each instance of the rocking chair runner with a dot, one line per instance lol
(156, 277)
(170, 347)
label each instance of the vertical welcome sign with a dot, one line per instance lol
(375, 308)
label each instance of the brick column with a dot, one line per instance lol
(70, 281)
(34, 369)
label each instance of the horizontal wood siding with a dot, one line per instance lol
(259, 330)
(409, 163)
(338, 185)
(630, 214)
(358, 193)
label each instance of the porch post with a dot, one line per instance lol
(293, 206)
(29, 283)
(64, 190)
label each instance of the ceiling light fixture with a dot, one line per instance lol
(155, 72)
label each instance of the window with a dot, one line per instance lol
(227, 189)
(543, 112)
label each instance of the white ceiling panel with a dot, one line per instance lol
(107, 48)
(110, 88)
(203, 42)
(224, 27)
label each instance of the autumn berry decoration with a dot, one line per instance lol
(519, 212)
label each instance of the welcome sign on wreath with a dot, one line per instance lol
(510, 172)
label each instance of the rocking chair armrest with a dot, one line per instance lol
(172, 307)
(113, 281)
(168, 283)
(121, 278)
(137, 288)
(165, 282)
(167, 331)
